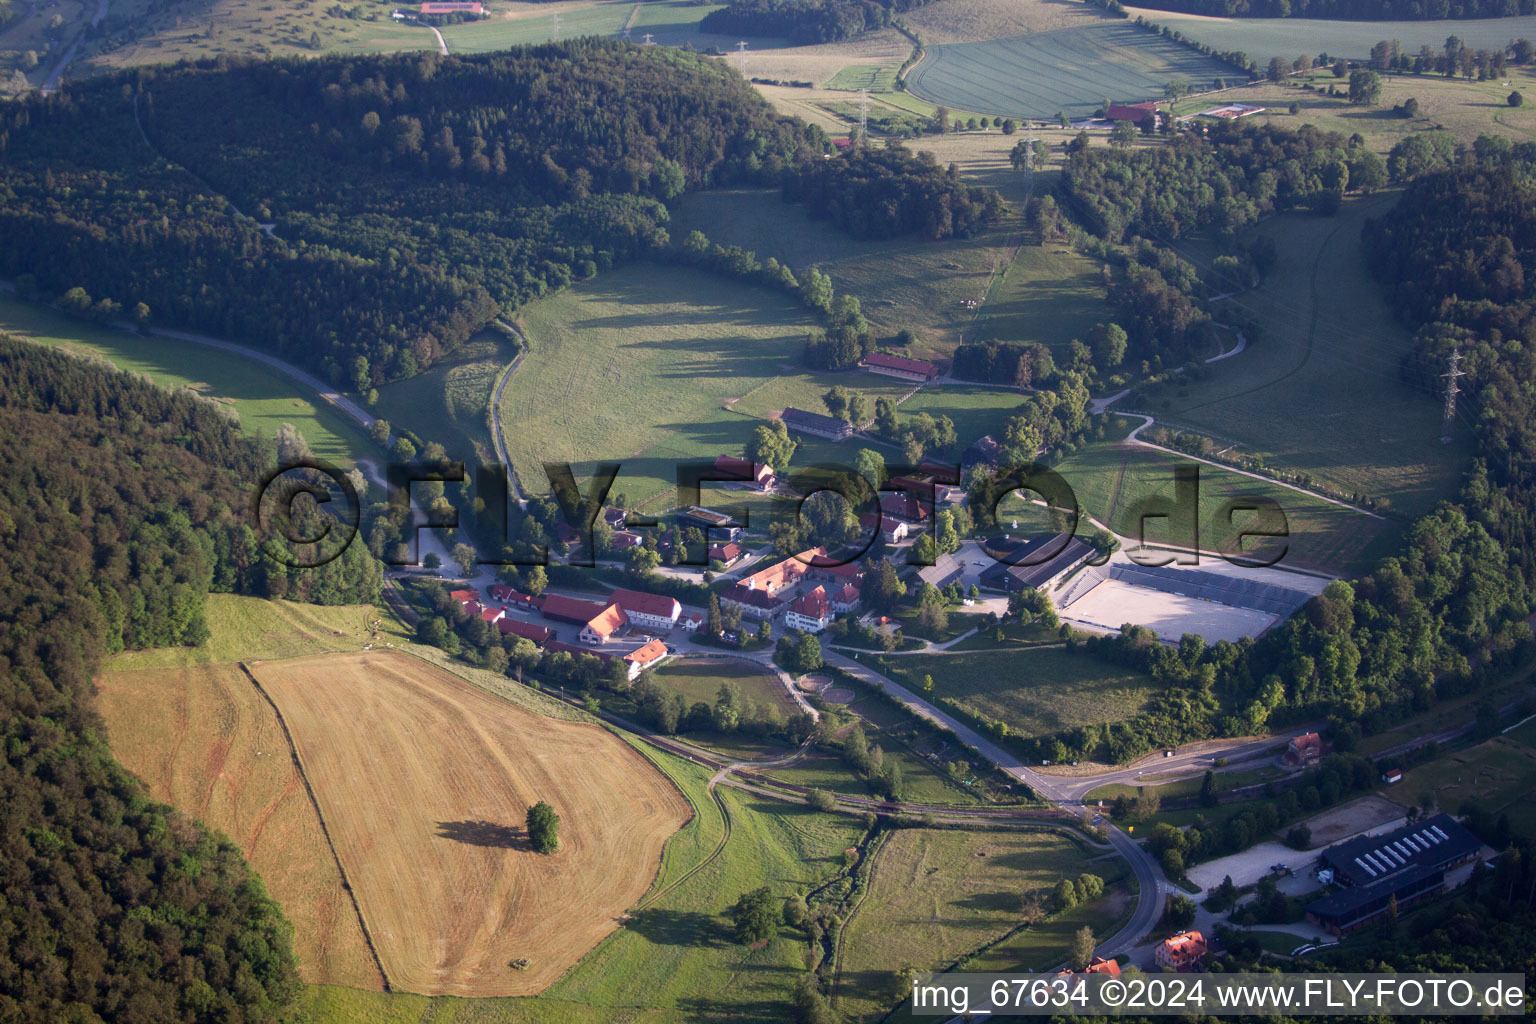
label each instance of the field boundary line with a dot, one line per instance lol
(325, 829)
(873, 856)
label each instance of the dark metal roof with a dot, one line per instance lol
(1347, 906)
(1434, 842)
(1032, 563)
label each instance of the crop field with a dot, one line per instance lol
(1263, 38)
(262, 398)
(1464, 108)
(935, 895)
(965, 21)
(206, 742)
(450, 403)
(900, 282)
(874, 77)
(1037, 691)
(534, 23)
(1318, 390)
(430, 832)
(1071, 70)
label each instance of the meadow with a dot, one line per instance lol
(450, 402)
(1263, 38)
(1317, 390)
(936, 895)
(1037, 691)
(262, 398)
(1070, 70)
(1050, 295)
(1111, 481)
(534, 23)
(963, 21)
(901, 282)
(1498, 774)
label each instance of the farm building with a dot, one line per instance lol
(726, 554)
(509, 595)
(652, 611)
(754, 604)
(492, 615)
(809, 612)
(464, 595)
(1348, 909)
(604, 625)
(1231, 111)
(891, 530)
(817, 425)
(933, 491)
(708, 519)
(1033, 563)
(540, 635)
(946, 570)
(1136, 113)
(758, 474)
(570, 609)
(900, 367)
(846, 599)
(642, 658)
(776, 577)
(622, 539)
(904, 507)
(1181, 952)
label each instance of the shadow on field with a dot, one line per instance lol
(485, 833)
(680, 928)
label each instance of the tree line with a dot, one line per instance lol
(805, 21)
(1357, 10)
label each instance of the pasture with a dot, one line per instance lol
(1464, 108)
(1050, 295)
(901, 282)
(1498, 774)
(424, 781)
(1112, 481)
(450, 402)
(937, 895)
(1071, 70)
(206, 742)
(262, 398)
(517, 24)
(1318, 391)
(1037, 691)
(1263, 38)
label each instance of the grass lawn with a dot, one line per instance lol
(1068, 69)
(1327, 338)
(874, 77)
(450, 403)
(1047, 944)
(1049, 295)
(901, 282)
(1225, 781)
(1499, 774)
(1037, 692)
(1112, 480)
(976, 411)
(935, 895)
(700, 679)
(263, 398)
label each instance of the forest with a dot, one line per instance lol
(120, 504)
(805, 22)
(1356, 10)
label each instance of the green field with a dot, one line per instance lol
(901, 282)
(874, 77)
(450, 403)
(263, 398)
(700, 679)
(1070, 69)
(935, 896)
(1050, 295)
(1112, 480)
(1263, 38)
(1499, 774)
(1037, 691)
(533, 25)
(1318, 391)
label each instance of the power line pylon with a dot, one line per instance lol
(1452, 389)
(864, 114)
(741, 57)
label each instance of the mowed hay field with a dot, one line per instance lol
(206, 742)
(424, 782)
(1071, 70)
(1113, 481)
(1037, 691)
(964, 21)
(1318, 391)
(935, 895)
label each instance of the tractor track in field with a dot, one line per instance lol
(325, 828)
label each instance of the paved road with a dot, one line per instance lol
(51, 83)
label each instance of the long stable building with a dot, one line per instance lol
(1378, 873)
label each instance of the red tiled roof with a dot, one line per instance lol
(725, 552)
(570, 609)
(1186, 947)
(646, 604)
(1103, 966)
(516, 627)
(608, 621)
(731, 464)
(1137, 112)
(813, 605)
(848, 595)
(742, 594)
(464, 595)
(491, 614)
(775, 575)
(887, 361)
(647, 655)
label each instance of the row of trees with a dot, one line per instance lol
(804, 21)
(1360, 10)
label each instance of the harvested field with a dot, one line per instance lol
(966, 21)
(424, 782)
(204, 741)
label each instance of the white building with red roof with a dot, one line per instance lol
(602, 626)
(810, 612)
(652, 611)
(846, 599)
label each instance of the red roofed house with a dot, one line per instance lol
(726, 554)
(1304, 749)
(902, 506)
(809, 612)
(650, 610)
(642, 658)
(509, 595)
(1103, 966)
(755, 603)
(1133, 112)
(759, 474)
(540, 635)
(691, 622)
(888, 365)
(1181, 952)
(625, 539)
(891, 530)
(776, 577)
(603, 625)
(846, 599)
(492, 614)
(570, 609)
(464, 595)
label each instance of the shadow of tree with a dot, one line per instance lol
(485, 833)
(681, 928)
